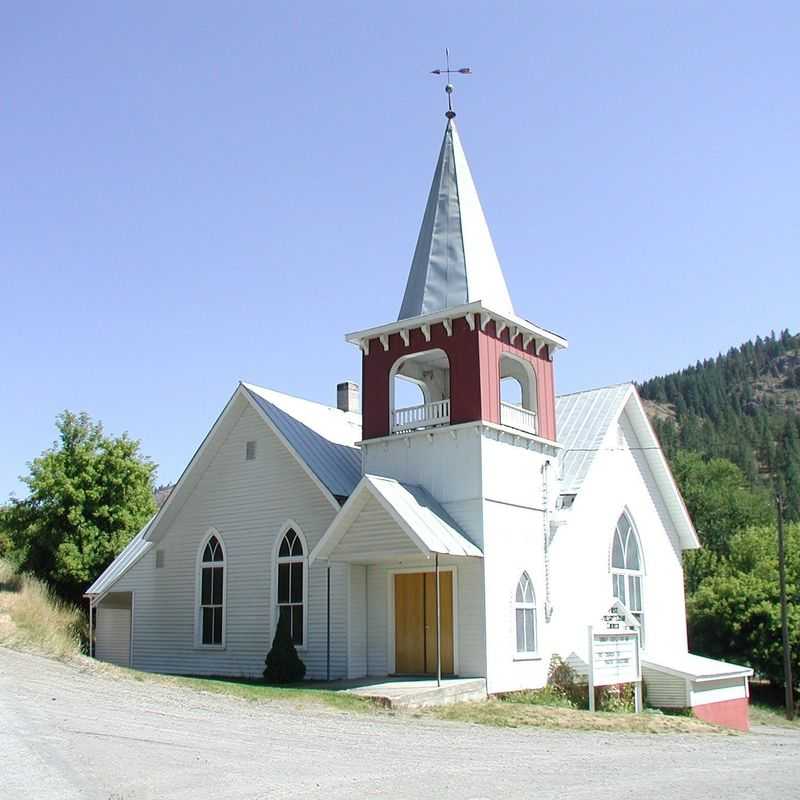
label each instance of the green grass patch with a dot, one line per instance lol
(260, 692)
(546, 696)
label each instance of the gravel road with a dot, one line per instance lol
(70, 733)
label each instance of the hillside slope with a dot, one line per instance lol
(743, 405)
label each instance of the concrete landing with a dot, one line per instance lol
(420, 692)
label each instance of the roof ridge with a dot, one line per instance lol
(596, 389)
(256, 386)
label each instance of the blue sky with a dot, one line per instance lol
(197, 193)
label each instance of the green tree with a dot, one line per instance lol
(720, 503)
(88, 495)
(735, 613)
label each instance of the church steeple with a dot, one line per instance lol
(457, 338)
(454, 262)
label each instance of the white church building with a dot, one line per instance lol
(476, 532)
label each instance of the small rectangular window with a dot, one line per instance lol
(159, 559)
(250, 451)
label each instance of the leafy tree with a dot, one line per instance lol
(283, 665)
(735, 613)
(720, 503)
(88, 495)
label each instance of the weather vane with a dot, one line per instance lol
(449, 87)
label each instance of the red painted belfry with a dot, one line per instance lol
(457, 336)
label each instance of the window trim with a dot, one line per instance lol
(198, 572)
(525, 655)
(276, 560)
(627, 574)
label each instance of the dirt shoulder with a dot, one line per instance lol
(78, 731)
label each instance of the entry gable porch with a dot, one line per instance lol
(385, 520)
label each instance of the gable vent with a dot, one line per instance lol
(250, 451)
(159, 559)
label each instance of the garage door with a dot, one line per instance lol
(113, 642)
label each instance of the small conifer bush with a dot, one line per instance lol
(283, 663)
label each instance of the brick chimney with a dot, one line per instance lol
(347, 397)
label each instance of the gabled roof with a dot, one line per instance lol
(323, 437)
(695, 668)
(582, 421)
(130, 554)
(416, 512)
(454, 262)
(586, 421)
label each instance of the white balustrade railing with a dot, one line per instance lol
(518, 417)
(424, 416)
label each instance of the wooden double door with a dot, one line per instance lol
(415, 622)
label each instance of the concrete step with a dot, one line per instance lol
(421, 693)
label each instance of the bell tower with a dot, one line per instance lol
(487, 457)
(457, 337)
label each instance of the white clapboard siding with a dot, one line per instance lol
(703, 692)
(357, 656)
(249, 503)
(113, 635)
(664, 690)
(374, 534)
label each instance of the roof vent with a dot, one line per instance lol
(347, 397)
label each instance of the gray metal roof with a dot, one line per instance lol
(421, 518)
(696, 668)
(322, 436)
(454, 261)
(436, 529)
(582, 421)
(130, 554)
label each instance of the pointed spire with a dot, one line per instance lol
(454, 262)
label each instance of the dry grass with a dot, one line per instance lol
(517, 715)
(762, 714)
(33, 618)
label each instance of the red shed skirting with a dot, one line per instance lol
(730, 713)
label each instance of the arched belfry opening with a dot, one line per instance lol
(420, 391)
(519, 402)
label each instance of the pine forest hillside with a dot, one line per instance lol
(743, 406)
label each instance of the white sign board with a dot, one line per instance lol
(614, 651)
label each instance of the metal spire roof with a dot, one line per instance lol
(454, 262)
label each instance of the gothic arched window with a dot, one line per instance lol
(291, 585)
(627, 569)
(525, 616)
(211, 612)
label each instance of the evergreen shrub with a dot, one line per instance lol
(283, 665)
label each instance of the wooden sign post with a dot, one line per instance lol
(614, 652)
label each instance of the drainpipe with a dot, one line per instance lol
(328, 622)
(548, 608)
(438, 626)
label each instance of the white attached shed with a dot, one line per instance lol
(716, 691)
(114, 619)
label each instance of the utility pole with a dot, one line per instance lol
(787, 653)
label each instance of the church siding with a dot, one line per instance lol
(619, 479)
(248, 503)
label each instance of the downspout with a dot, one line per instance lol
(91, 614)
(328, 622)
(548, 608)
